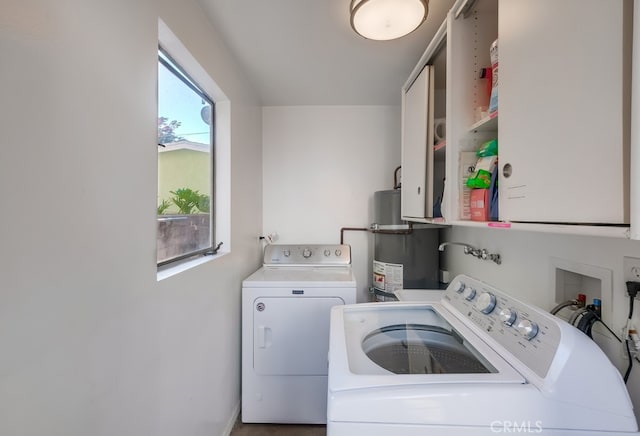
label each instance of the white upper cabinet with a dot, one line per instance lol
(564, 104)
(424, 134)
(417, 156)
(634, 202)
(563, 122)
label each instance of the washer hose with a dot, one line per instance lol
(564, 304)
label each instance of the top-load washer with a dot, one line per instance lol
(476, 362)
(286, 307)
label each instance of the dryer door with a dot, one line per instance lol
(291, 335)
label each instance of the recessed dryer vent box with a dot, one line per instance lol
(572, 278)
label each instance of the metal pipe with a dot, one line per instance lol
(396, 185)
(467, 248)
(374, 229)
(475, 252)
(357, 229)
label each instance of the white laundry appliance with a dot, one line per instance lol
(476, 362)
(286, 308)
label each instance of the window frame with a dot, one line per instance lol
(175, 68)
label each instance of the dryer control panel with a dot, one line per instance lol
(530, 334)
(307, 255)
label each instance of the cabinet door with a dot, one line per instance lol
(563, 103)
(417, 150)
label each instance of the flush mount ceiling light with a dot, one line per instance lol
(387, 19)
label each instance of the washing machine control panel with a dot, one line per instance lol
(307, 255)
(529, 333)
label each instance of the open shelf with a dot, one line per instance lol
(440, 145)
(567, 229)
(487, 124)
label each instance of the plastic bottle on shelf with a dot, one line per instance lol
(493, 101)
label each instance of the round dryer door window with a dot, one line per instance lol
(421, 349)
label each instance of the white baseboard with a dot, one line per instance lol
(232, 420)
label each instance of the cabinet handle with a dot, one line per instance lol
(418, 190)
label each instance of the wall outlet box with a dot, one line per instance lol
(631, 268)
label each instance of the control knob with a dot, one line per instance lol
(338, 252)
(486, 302)
(507, 316)
(286, 253)
(306, 253)
(327, 253)
(469, 294)
(460, 287)
(528, 329)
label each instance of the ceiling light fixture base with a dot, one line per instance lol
(384, 20)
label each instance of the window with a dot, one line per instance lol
(185, 165)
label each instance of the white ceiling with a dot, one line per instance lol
(304, 52)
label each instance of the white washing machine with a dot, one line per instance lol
(477, 362)
(286, 308)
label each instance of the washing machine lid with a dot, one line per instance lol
(408, 348)
(392, 344)
(301, 276)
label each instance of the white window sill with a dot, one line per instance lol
(167, 271)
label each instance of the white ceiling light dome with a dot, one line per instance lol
(383, 20)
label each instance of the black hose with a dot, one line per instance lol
(564, 304)
(626, 374)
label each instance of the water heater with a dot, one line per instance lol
(405, 256)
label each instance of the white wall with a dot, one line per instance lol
(92, 343)
(526, 273)
(322, 165)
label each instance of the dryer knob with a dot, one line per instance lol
(327, 253)
(306, 253)
(338, 252)
(486, 302)
(528, 329)
(469, 294)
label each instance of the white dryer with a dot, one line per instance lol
(286, 308)
(476, 362)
